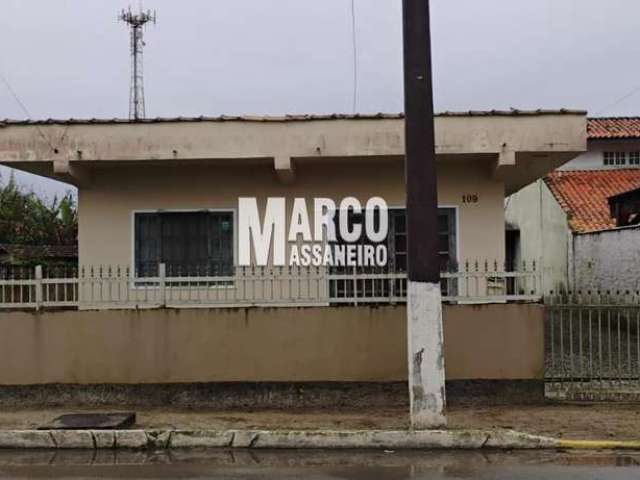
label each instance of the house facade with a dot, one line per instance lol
(158, 227)
(571, 220)
(134, 177)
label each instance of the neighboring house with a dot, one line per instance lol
(580, 221)
(612, 143)
(25, 255)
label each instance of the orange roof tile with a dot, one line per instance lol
(613, 127)
(583, 195)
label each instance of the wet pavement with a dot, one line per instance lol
(599, 421)
(320, 465)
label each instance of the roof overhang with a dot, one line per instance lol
(522, 148)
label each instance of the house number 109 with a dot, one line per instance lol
(470, 198)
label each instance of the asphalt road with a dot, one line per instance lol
(236, 464)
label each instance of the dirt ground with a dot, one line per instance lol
(577, 421)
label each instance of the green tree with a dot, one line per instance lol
(27, 219)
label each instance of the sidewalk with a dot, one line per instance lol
(568, 421)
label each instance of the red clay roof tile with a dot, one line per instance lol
(583, 195)
(613, 127)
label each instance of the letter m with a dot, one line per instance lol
(249, 227)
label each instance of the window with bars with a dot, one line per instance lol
(447, 238)
(397, 240)
(396, 243)
(634, 158)
(188, 243)
(397, 237)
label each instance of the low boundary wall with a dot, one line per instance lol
(320, 344)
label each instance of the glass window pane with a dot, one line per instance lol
(189, 243)
(400, 220)
(401, 243)
(443, 223)
(401, 262)
(443, 243)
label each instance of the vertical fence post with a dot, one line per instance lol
(162, 273)
(355, 286)
(38, 286)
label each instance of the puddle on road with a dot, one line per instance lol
(318, 458)
(247, 464)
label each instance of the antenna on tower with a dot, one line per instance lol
(136, 22)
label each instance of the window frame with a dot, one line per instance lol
(615, 158)
(234, 213)
(343, 289)
(456, 224)
(132, 225)
(456, 236)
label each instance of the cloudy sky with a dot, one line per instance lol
(70, 58)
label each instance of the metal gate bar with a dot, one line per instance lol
(592, 344)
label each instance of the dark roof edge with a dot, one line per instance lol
(604, 230)
(589, 170)
(611, 139)
(626, 117)
(286, 118)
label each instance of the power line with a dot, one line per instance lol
(620, 100)
(354, 47)
(15, 96)
(24, 108)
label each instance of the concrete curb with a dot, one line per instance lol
(297, 439)
(274, 439)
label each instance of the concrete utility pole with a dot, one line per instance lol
(424, 307)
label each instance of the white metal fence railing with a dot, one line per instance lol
(120, 287)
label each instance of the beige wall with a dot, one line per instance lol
(105, 209)
(258, 344)
(545, 236)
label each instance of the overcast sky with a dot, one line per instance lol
(70, 58)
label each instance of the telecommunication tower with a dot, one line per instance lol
(136, 22)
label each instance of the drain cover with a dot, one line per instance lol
(91, 421)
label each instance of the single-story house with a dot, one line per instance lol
(158, 227)
(134, 176)
(569, 222)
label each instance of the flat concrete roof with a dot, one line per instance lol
(523, 145)
(286, 118)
